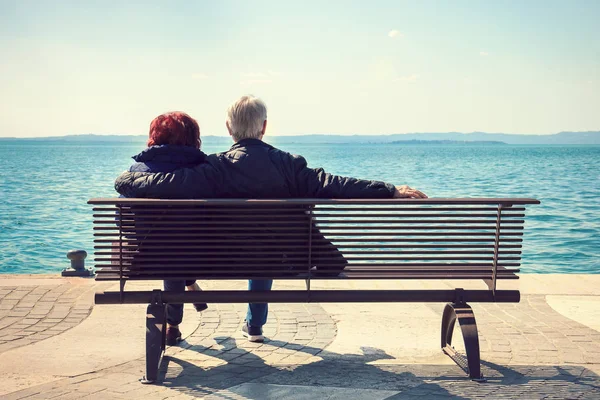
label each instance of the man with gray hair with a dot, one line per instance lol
(247, 119)
(254, 169)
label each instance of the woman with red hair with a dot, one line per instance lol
(173, 143)
(174, 128)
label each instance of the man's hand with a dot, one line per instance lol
(406, 192)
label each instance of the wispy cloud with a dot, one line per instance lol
(254, 75)
(258, 78)
(255, 82)
(199, 76)
(408, 78)
(484, 53)
(395, 34)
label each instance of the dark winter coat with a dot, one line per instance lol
(167, 158)
(250, 169)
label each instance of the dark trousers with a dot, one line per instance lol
(175, 311)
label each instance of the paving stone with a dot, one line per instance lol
(37, 313)
(18, 313)
(13, 337)
(30, 320)
(23, 394)
(35, 328)
(14, 295)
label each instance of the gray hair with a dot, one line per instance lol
(246, 117)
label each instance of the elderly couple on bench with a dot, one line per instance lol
(174, 167)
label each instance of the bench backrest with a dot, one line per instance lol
(287, 239)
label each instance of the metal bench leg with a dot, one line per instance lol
(155, 340)
(468, 326)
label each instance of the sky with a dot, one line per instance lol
(328, 67)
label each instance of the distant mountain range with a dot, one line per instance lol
(398, 138)
(444, 142)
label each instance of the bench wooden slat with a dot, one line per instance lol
(202, 246)
(374, 276)
(160, 226)
(142, 259)
(246, 234)
(132, 223)
(302, 269)
(190, 251)
(206, 232)
(277, 270)
(325, 296)
(201, 241)
(285, 218)
(316, 210)
(287, 202)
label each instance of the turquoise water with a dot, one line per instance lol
(44, 186)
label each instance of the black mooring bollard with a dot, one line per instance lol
(77, 268)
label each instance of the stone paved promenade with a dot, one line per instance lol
(55, 344)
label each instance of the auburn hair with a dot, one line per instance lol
(176, 128)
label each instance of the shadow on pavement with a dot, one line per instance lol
(374, 369)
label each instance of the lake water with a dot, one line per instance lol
(44, 187)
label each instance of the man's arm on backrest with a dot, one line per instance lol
(316, 183)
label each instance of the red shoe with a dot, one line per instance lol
(173, 336)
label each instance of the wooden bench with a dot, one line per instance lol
(465, 239)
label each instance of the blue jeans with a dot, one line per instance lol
(175, 311)
(257, 312)
(256, 315)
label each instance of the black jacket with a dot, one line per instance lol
(250, 169)
(167, 158)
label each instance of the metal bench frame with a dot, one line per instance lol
(116, 225)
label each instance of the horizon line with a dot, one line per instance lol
(306, 134)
